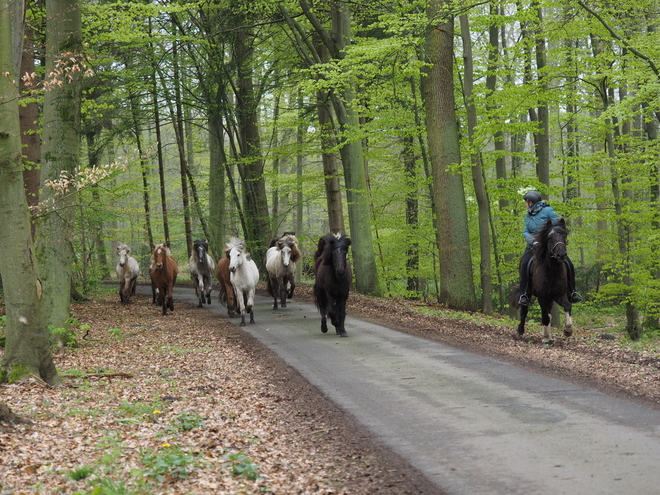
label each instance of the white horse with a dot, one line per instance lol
(281, 259)
(127, 273)
(202, 268)
(244, 275)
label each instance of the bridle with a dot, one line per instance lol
(553, 253)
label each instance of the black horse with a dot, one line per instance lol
(548, 278)
(333, 280)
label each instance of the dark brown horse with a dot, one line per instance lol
(548, 278)
(226, 289)
(280, 262)
(163, 270)
(333, 280)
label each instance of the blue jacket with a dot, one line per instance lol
(536, 218)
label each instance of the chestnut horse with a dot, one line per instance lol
(226, 290)
(163, 270)
(333, 280)
(281, 259)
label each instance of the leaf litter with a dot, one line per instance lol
(183, 404)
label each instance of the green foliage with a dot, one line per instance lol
(186, 421)
(115, 332)
(168, 463)
(81, 472)
(241, 466)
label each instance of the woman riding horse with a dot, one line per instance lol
(538, 213)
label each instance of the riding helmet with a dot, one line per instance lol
(532, 196)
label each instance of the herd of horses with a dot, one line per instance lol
(237, 275)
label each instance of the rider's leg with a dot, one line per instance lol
(573, 295)
(524, 277)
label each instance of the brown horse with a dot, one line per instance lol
(163, 270)
(333, 280)
(226, 289)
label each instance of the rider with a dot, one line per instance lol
(538, 212)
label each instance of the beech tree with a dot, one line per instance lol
(456, 276)
(27, 348)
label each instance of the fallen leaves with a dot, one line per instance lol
(182, 404)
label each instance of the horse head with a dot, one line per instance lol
(339, 248)
(159, 255)
(201, 247)
(552, 240)
(123, 251)
(235, 253)
(285, 252)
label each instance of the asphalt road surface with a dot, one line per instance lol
(471, 424)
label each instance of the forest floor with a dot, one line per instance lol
(189, 403)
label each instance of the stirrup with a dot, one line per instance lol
(524, 300)
(575, 297)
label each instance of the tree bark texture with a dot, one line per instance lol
(27, 347)
(65, 66)
(456, 278)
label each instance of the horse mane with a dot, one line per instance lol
(239, 244)
(323, 248)
(123, 246)
(550, 227)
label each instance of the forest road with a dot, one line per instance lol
(471, 424)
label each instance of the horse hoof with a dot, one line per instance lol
(324, 329)
(568, 333)
(343, 334)
(548, 341)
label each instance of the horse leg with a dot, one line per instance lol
(242, 324)
(121, 291)
(282, 284)
(521, 326)
(274, 288)
(170, 298)
(546, 321)
(252, 316)
(162, 299)
(209, 288)
(568, 326)
(324, 323)
(292, 286)
(341, 317)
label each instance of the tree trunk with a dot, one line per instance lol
(252, 169)
(477, 174)
(29, 117)
(27, 347)
(456, 278)
(355, 178)
(412, 218)
(217, 195)
(61, 150)
(330, 169)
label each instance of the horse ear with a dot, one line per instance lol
(562, 222)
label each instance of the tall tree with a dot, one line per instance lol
(27, 348)
(477, 171)
(456, 278)
(65, 66)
